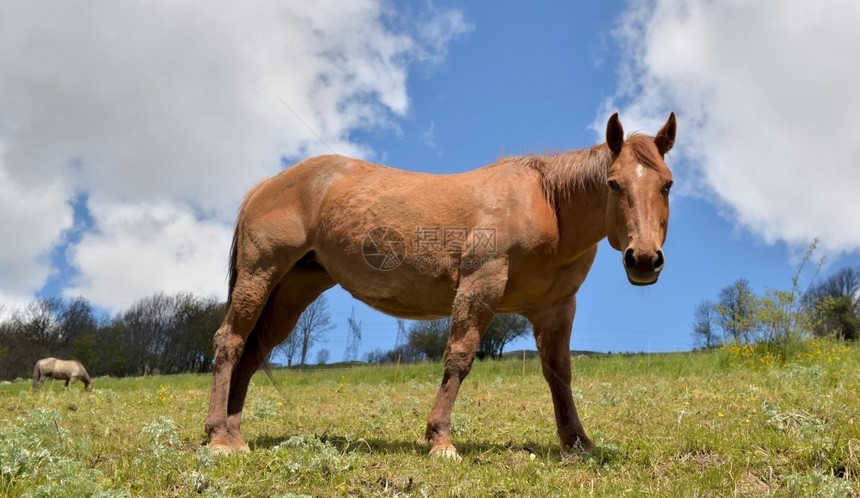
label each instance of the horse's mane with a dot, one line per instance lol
(564, 174)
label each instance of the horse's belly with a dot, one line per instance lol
(404, 293)
(404, 309)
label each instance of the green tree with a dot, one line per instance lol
(839, 317)
(428, 338)
(779, 319)
(837, 304)
(503, 329)
(735, 310)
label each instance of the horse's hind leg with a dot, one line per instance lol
(296, 291)
(239, 351)
(552, 330)
(249, 295)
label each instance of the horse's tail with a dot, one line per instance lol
(37, 374)
(232, 272)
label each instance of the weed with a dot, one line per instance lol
(721, 423)
(310, 454)
(31, 457)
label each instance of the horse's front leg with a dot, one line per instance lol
(471, 314)
(552, 328)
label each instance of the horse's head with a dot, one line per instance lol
(637, 209)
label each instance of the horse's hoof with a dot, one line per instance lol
(447, 452)
(578, 446)
(223, 449)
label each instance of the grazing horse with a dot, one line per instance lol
(518, 236)
(70, 370)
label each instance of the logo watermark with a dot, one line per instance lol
(385, 248)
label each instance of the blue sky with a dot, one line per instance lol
(128, 135)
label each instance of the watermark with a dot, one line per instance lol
(450, 247)
(430, 262)
(383, 248)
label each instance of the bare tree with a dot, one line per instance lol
(77, 319)
(704, 333)
(323, 356)
(289, 348)
(312, 327)
(168, 333)
(845, 282)
(147, 327)
(189, 346)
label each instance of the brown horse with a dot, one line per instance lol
(68, 370)
(518, 236)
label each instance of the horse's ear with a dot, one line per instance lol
(614, 134)
(665, 138)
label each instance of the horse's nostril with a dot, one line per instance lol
(658, 265)
(629, 258)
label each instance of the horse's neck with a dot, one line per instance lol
(582, 219)
(576, 186)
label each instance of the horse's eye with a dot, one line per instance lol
(613, 186)
(667, 187)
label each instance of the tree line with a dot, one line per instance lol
(426, 340)
(830, 308)
(158, 334)
(166, 334)
(418, 341)
(173, 333)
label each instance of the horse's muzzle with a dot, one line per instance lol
(643, 267)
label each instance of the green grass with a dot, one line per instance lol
(722, 423)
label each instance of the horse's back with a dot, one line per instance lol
(54, 367)
(46, 364)
(74, 367)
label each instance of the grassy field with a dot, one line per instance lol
(723, 423)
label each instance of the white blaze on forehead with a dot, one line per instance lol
(640, 170)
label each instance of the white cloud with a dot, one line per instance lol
(32, 219)
(163, 109)
(143, 248)
(767, 102)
